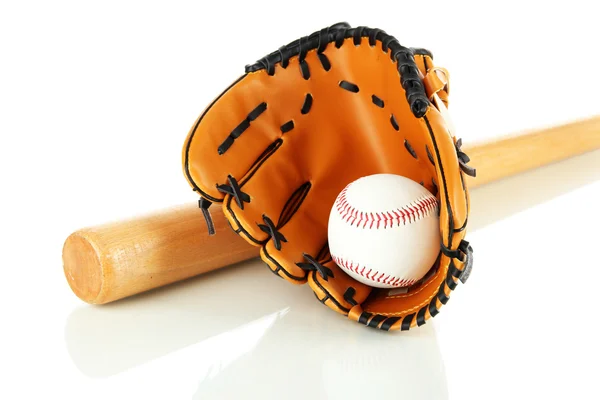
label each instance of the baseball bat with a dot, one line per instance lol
(117, 260)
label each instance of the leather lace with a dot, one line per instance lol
(270, 229)
(313, 265)
(463, 159)
(234, 190)
(464, 253)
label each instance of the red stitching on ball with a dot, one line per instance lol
(373, 220)
(375, 276)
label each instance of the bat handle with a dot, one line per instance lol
(119, 259)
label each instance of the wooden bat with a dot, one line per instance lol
(116, 260)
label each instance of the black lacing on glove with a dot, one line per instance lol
(349, 296)
(404, 58)
(313, 265)
(463, 159)
(233, 189)
(321, 46)
(270, 229)
(204, 205)
(464, 253)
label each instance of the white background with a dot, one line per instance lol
(96, 99)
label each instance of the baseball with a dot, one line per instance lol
(384, 231)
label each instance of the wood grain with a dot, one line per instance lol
(116, 260)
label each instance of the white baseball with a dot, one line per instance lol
(384, 231)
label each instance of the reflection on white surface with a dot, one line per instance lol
(230, 346)
(106, 340)
(308, 354)
(243, 325)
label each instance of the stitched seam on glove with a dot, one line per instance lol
(408, 311)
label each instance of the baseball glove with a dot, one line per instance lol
(278, 145)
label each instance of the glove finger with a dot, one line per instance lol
(232, 135)
(305, 233)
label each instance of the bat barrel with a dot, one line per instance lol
(120, 259)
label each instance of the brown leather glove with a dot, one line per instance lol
(278, 145)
